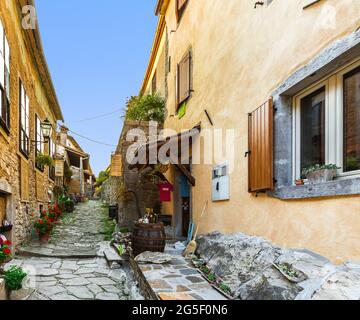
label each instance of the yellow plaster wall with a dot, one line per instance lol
(240, 55)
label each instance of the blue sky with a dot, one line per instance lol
(97, 53)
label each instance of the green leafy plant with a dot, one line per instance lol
(124, 230)
(43, 160)
(205, 269)
(14, 278)
(225, 288)
(317, 167)
(103, 176)
(211, 277)
(288, 269)
(150, 107)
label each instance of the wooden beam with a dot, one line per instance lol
(186, 173)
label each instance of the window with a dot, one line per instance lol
(24, 121)
(312, 126)
(352, 121)
(4, 80)
(180, 8)
(327, 123)
(183, 82)
(38, 137)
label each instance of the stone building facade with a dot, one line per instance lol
(31, 99)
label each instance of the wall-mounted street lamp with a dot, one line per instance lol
(46, 128)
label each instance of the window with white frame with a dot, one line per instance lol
(24, 121)
(326, 123)
(4, 80)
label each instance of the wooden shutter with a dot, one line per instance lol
(2, 209)
(24, 180)
(184, 78)
(116, 165)
(181, 4)
(260, 153)
(40, 193)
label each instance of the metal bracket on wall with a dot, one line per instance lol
(258, 3)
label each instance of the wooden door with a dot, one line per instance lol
(2, 209)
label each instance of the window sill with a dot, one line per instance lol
(334, 188)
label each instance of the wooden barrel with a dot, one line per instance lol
(148, 237)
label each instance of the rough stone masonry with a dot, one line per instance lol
(246, 264)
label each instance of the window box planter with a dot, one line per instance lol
(321, 176)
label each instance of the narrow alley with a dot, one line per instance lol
(72, 265)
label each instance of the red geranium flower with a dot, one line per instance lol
(7, 251)
(7, 242)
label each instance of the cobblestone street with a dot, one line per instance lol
(72, 265)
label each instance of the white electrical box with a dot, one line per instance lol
(220, 183)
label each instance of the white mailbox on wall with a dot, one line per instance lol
(220, 183)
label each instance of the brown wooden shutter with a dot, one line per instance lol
(116, 165)
(181, 4)
(184, 78)
(260, 153)
(24, 180)
(2, 209)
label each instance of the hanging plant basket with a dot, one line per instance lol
(44, 160)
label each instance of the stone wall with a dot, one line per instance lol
(146, 192)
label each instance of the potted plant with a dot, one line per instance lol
(43, 160)
(5, 252)
(14, 278)
(320, 173)
(43, 227)
(69, 205)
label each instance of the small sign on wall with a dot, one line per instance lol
(59, 168)
(220, 183)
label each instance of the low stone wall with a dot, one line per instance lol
(145, 288)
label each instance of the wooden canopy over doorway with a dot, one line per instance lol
(179, 138)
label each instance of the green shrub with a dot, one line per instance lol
(150, 107)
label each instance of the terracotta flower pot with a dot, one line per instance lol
(44, 238)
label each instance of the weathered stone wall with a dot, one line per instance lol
(22, 67)
(247, 266)
(145, 191)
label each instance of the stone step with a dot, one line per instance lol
(112, 257)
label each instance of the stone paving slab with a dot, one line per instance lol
(178, 279)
